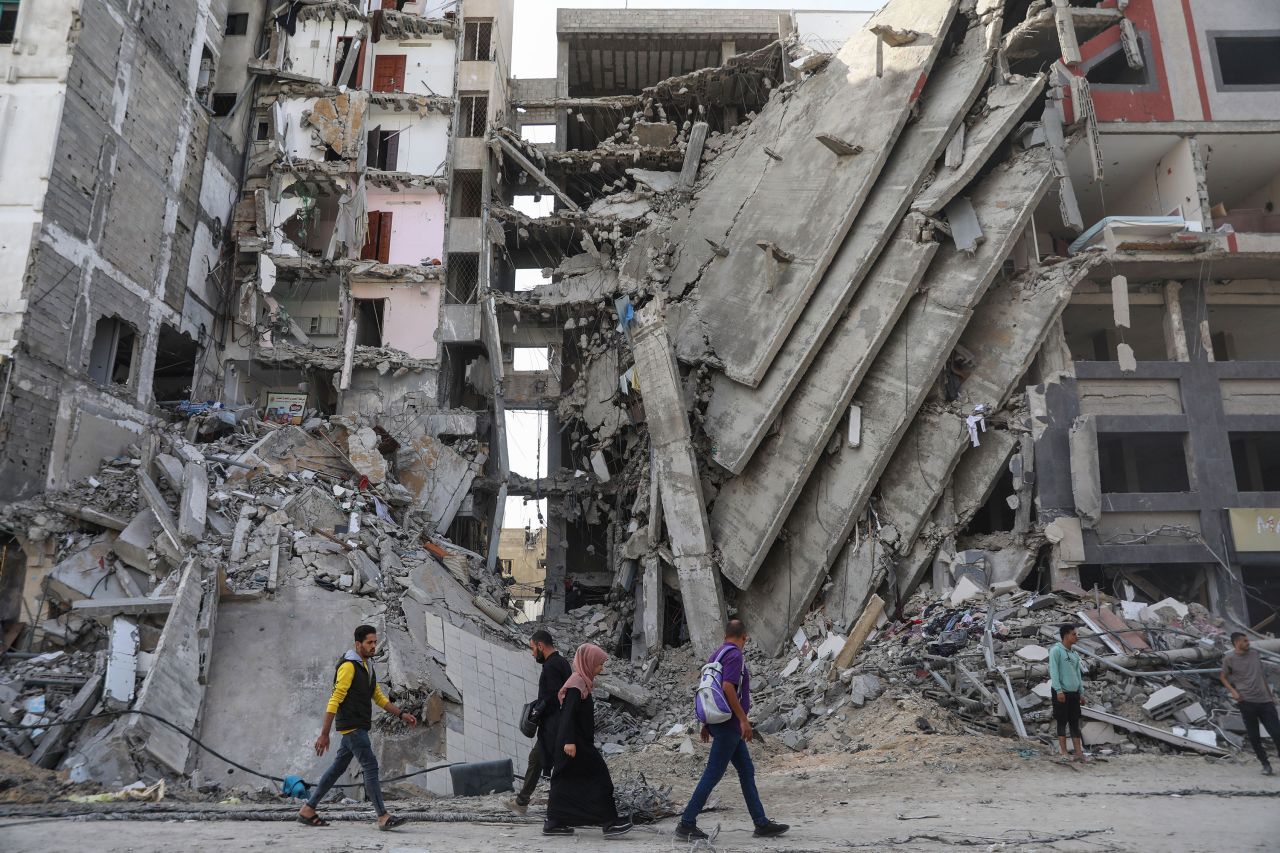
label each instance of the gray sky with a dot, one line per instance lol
(533, 49)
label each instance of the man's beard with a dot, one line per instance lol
(539, 657)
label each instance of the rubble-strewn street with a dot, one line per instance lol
(931, 339)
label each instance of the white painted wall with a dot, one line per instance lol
(428, 66)
(313, 49)
(1170, 183)
(33, 85)
(424, 138)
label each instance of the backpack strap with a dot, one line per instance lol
(742, 674)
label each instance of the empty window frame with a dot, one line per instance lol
(473, 115)
(8, 21)
(539, 134)
(383, 149)
(1092, 334)
(1256, 459)
(223, 103)
(237, 24)
(369, 315)
(1111, 70)
(175, 368)
(345, 46)
(1244, 332)
(1245, 61)
(468, 187)
(531, 359)
(477, 41)
(322, 326)
(112, 355)
(262, 130)
(1143, 462)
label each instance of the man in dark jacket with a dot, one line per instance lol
(555, 672)
(355, 686)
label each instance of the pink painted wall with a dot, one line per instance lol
(411, 314)
(417, 223)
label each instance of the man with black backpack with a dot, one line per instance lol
(723, 700)
(545, 710)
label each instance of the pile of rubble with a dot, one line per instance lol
(127, 569)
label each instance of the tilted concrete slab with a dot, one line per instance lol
(803, 197)
(679, 485)
(751, 508)
(738, 416)
(890, 395)
(1004, 335)
(1005, 105)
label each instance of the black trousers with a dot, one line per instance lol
(1254, 713)
(1067, 714)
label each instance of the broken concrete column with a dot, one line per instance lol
(133, 545)
(122, 664)
(1086, 485)
(192, 512)
(676, 471)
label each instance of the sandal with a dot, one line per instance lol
(314, 820)
(391, 823)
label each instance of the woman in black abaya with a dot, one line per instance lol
(581, 789)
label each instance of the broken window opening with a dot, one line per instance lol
(383, 149)
(1092, 334)
(112, 354)
(529, 279)
(8, 20)
(538, 134)
(262, 132)
(369, 314)
(468, 189)
(237, 24)
(462, 276)
(473, 115)
(531, 359)
(1256, 459)
(1246, 61)
(1244, 332)
(174, 373)
(388, 73)
(223, 103)
(345, 44)
(377, 244)
(477, 41)
(995, 516)
(1111, 67)
(1263, 583)
(1143, 462)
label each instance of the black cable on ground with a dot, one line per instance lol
(191, 737)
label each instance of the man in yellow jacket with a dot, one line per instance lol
(355, 685)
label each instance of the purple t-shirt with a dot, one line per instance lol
(733, 667)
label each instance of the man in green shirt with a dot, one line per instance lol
(1244, 679)
(1067, 684)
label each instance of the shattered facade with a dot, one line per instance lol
(840, 323)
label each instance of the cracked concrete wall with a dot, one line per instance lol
(116, 232)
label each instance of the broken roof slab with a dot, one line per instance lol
(738, 416)
(891, 393)
(748, 301)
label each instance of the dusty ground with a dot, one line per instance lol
(917, 795)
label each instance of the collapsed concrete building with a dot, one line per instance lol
(827, 308)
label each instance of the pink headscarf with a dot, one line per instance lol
(586, 659)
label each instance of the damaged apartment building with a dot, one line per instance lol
(817, 310)
(982, 292)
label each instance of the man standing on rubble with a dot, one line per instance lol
(355, 685)
(1243, 677)
(729, 742)
(555, 672)
(1067, 684)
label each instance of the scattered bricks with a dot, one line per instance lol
(1164, 702)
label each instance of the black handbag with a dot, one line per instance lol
(531, 716)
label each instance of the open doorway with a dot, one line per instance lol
(175, 369)
(369, 321)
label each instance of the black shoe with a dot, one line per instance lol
(1267, 771)
(621, 827)
(549, 828)
(689, 832)
(770, 829)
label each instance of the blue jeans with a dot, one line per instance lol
(727, 746)
(354, 744)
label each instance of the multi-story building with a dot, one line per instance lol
(116, 184)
